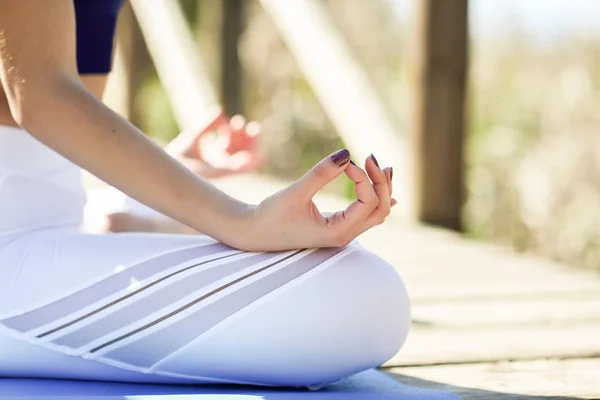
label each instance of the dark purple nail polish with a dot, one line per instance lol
(374, 160)
(341, 157)
(391, 172)
(352, 162)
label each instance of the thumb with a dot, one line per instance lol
(321, 174)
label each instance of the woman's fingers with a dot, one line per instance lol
(252, 129)
(381, 187)
(344, 226)
(390, 176)
(366, 197)
(389, 173)
(250, 137)
(236, 133)
(373, 202)
(373, 197)
(242, 136)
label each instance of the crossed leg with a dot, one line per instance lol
(184, 308)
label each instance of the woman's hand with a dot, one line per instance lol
(290, 220)
(234, 150)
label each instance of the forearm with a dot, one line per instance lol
(73, 122)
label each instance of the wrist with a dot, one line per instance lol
(232, 222)
(239, 229)
(236, 227)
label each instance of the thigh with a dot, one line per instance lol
(177, 307)
(61, 292)
(40, 267)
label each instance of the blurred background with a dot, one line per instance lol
(531, 146)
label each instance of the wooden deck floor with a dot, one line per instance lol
(487, 323)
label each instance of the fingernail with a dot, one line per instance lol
(341, 157)
(391, 172)
(352, 162)
(374, 160)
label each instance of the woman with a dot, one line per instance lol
(274, 295)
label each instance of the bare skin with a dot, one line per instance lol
(95, 84)
(127, 222)
(47, 98)
(236, 152)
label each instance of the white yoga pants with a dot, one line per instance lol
(158, 308)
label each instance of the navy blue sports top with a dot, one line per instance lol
(95, 22)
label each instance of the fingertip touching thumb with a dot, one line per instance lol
(341, 158)
(330, 167)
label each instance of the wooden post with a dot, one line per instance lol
(231, 74)
(441, 73)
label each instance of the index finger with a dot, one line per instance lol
(366, 201)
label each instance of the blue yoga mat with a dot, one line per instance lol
(368, 385)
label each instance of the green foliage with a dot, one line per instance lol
(533, 150)
(158, 120)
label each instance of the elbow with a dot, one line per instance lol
(31, 103)
(27, 107)
(26, 115)
(16, 103)
(19, 113)
(24, 105)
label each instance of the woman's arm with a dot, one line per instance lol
(38, 72)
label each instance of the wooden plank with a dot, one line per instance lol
(441, 71)
(489, 313)
(569, 379)
(440, 267)
(432, 345)
(476, 291)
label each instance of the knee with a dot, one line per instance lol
(372, 308)
(351, 316)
